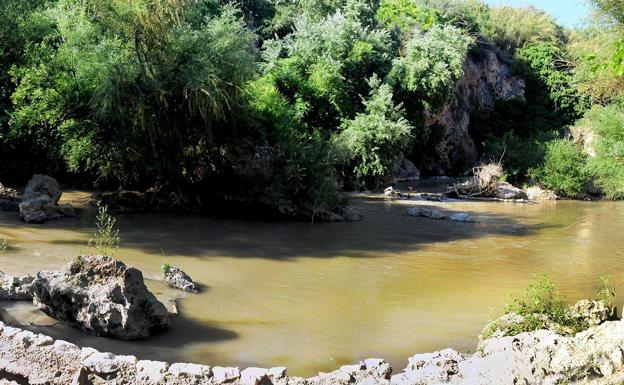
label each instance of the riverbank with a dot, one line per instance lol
(436, 281)
(594, 357)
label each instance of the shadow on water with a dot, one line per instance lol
(183, 332)
(378, 232)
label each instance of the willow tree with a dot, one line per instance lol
(137, 90)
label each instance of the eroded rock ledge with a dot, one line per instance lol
(594, 357)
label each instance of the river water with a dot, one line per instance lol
(313, 297)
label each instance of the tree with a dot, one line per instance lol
(377, 139)
(433, 61)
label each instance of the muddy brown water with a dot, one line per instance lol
(313, 297)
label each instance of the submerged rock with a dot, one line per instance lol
(178, 279)
(428, 212)
(14, 288)
(102, 296)
(40, 201)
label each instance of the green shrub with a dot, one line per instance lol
(608, 164)
(406, 15)
(432, 63)
(512, 28)
(518, 154)
(377, 139)
(106, 238)
(543, 307)
(564, 169)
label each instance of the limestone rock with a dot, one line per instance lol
(406, 172)
(40, 201)
(507, 191)
(178, 279)
(536, 193)
(427, 212)
(591, 312)
(100, 295)
(15, 288)
(487, 79)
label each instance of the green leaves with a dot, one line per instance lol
(564, 169)
(377, 139)
(431, 64)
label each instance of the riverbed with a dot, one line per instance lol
(312, 297)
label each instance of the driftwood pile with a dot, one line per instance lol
(486, 184)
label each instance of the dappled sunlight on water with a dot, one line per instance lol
(311, 297)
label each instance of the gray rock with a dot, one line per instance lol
(591, 312)
(536, 193)
(178, 279)
(406, 172)
(102, 296)
(428, 212)
(40, 201)
(507, 191)
(15, 288)
(487, 79)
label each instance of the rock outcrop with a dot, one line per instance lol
(9, 199)
(487, 79)
(40, 201)
(536, 193)
(507, 191)
(178, 279)
(14, 288)
(102, 296)
(428, 212)
(406, 172)
(592, 357)
(584, 314)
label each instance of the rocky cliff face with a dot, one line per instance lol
(487, 79)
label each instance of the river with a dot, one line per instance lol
(313, 297)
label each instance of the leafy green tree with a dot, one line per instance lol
(608, 164)
(139, 90)
(377, 139)
(406, 15)
(433, 61)
(322, 66)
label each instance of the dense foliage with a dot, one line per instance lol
(284, 103)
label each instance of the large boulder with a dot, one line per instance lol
(102, 296)
(40, 201)
(406, 172)
(507, 191)
(536, 193)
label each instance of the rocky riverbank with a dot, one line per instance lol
(594, 357)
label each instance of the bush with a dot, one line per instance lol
(542, 307)
(608, 164)
(564, 169)
(377, 139)
(432, 63)
(136, 90)
(512, 28)
(519, 154)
